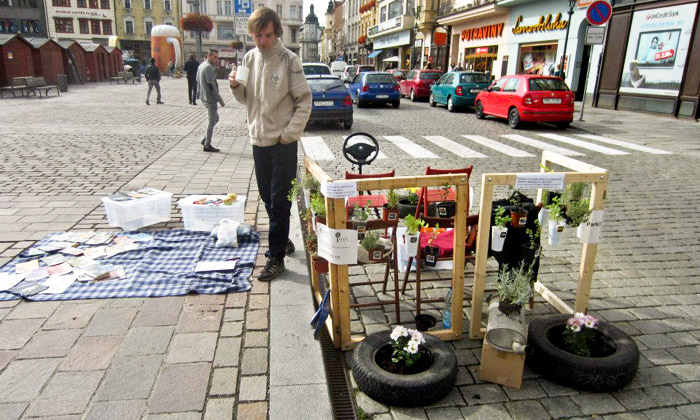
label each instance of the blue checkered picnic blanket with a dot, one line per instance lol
(163, 266)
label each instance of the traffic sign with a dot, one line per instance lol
(598, 12)
(595, 35)
(243, 6)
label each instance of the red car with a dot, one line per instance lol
(527, 98)
(418, 82)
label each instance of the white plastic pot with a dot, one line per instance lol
(307, 199)
(579, 230)
(543, 216)
(555, 230)
(411, 244)
(498, 238)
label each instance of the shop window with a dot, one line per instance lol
(129, 27)
(7, 26)
(395, 9)
(64, 25)
(93, 4)
(538, 59)
(104, 4)
(82, 4)
(227, 8)
(84, 26)
(511, 85)
(224, 32)
(95, 26)
(480, 59)
(149, 25)
(106, 27)
(31, 27)
(62, 3)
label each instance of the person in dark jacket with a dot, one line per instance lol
(153, 78)
(191, 69)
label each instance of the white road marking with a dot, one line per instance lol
(454, 147)
(625, 144)
(499, 147)
(583, 144)
(541, 145)
(411, 148)
(316, 149)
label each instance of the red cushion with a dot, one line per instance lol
(445, 241)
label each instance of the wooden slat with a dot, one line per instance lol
(482, 244)
(567, 162)
(588, 254)
(343, 283)
(553, 299)
(371, 184)
(333, 273)
(569, 177)
(316, 170)
(460, 236)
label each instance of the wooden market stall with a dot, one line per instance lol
(15, 58)
(48, 59)
(115, 61)
(74, 61)
(97, 62)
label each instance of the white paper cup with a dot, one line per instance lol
(242, 75)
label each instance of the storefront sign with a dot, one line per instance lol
(484, 32)
(657, 50)
(440, 38)
(481, 50)
(545, 24)
(393, 40)
(87, 13)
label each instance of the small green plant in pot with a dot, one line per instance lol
(390, 211)
(518, 214)
(408, 203)
(412, 234)
(514, 287)
(372, 245)
(318, 207)
(445, 208)
(359, 218)
(556, 221)
(431, 252)
(499, 230)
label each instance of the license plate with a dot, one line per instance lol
(475, 90)
(551, 100)
(382, 96)
(323, 103)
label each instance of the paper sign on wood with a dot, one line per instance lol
(339, 189)
(531, 181)
(591, 229)
(337, 246)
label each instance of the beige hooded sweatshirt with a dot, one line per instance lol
(277, 96)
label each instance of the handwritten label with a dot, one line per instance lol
(339, 189)
(591, 229)
(337, 246)
(548, 181)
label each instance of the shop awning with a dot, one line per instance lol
(374, 53)
(394, 59)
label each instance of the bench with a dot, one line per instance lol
(18, 85)
(35, 84)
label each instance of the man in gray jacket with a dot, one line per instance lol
(208, 93)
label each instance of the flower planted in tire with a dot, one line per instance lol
(578, 333)
(406, 345)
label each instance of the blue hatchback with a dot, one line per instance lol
(458, 89)
(331, 100)
(374, 87)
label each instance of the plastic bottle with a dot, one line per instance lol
(447, 311)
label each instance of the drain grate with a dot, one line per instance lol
(337, 378)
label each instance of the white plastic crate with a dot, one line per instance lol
(203, 217)
(140, 212)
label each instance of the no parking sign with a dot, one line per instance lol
(599, 12)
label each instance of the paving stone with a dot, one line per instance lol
(252, 411)
(691, 390)
(444, 413)
(409, 413)
(116, 410)
(130, 378)
(560, 407)
(224, 381)
(651, 376)
(123, 303)
(195, 347)
(227, 352)
(22, 380)
(555, 390)
(597, 404)
(71, 316)
(147, 340)
(111, 322)
(665, 395)
(236, 300)
(686, 354)
(198, 318)
(53, 343)
(259, 302)
(219, 409)
(256, 320)
(91, 353)
(159, 311)
(691, 411)
(656, 341)
(175, 416)
(635, 399)
(180, 387)
(529, 390)
(12, 411)
(16, 333)
(483, 394)
(664, 414)
(234, 314)
(255, 361)
(256, 339)
(33, 310)
(66, 393)
(6, 357)
(626, 416)
(530, 410)
(231, 329)
(685, 372)
(253, 388)
(659, 357)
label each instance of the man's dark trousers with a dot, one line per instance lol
(192, 89)
(275, 168)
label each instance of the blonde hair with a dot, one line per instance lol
(262, 17)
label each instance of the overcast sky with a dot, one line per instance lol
(320, 7)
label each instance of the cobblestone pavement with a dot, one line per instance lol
(206, 357)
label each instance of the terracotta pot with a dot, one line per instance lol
(320, 264)
(390, 214)
(518, 218)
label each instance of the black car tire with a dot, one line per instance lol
(347, 124)
(514, 118)
(451, 105)
(413, 96)
(563, 125)
(396, 104)
(479, 111)
(431, 101)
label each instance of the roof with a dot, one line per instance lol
(5, 38)
(38, 42)
(109, 49)
(92, 47)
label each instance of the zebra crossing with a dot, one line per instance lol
(317, 147)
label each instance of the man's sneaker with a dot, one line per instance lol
(210, 149)
(147, 102)
(160, 103)
(273, 268)
(288, 249)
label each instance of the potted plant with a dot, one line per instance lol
(556, 222)
(499, 231)
(531, 250)
(372, 246)
(318, 208)
(578, 213)
(514, 287)
(319, 264)
(518, 214)
(411, 236)
(403, 367)
(359, 218)
(445, 208)
(407, 205)
(432, 252)
(582, 352)
(390, 211)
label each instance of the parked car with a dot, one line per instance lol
(418, 82)
(349, 73)
(399, 74)
(364, 67)
(374, 87)
(458, 89)
(331, 100)
(316, 68)
(337, 68)
(527, 98)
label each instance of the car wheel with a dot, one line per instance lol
(431, 101)
(347, 124)
(563, 125)
(450, 105)
(360, 104)
(396, 104)
(514, 118)
(479, 111)
(413, 96)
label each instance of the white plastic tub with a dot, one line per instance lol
(137, 213)
(203, 217)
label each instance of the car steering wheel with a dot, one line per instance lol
(363, 151)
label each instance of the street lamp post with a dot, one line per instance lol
(198, 34)
(572, 3)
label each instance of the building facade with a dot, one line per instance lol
(23, 16)
(310, 38)
(392, 37)
(82, 20)
(136, 18)
(351, 48)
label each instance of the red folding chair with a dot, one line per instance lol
(432, 195)
(378, 200)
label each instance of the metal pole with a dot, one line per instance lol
(588, 72)
(198, 34)
(566, 39)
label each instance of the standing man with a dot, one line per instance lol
(153, 78)
(208, 92)
(278, 102)
(191, 69)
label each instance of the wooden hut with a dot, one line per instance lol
(48, 59)
(15, 58)
(74, 61)
(115, 60)
(97, 62)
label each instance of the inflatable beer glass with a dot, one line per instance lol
(166, 46)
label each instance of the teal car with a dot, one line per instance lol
(458, 89)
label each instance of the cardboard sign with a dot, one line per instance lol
(339, 189)
(591, 230)
(546, 180)
(337, 246)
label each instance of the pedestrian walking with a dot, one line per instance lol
(191, 67)
(153, 79)
(208, 93)
(278, 102)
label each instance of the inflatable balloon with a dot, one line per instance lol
(166, 46)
